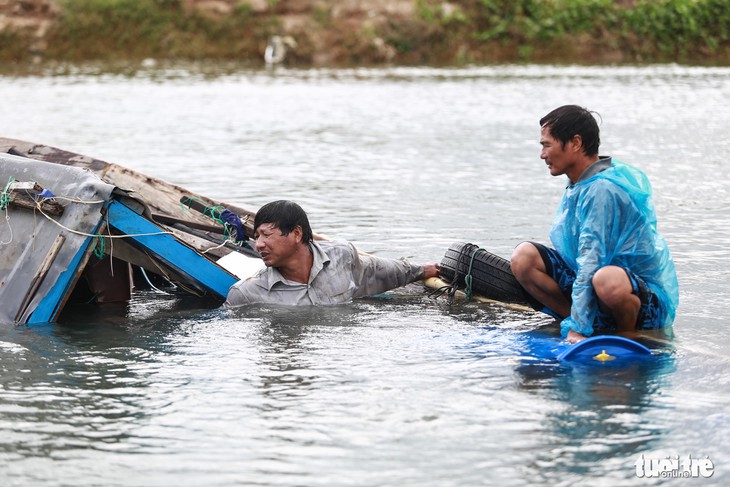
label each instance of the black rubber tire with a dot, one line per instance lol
(491, 274)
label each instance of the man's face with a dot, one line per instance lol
(275, 249)
(559, 159)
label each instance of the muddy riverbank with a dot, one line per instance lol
(366, 32)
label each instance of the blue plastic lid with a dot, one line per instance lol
(604, 348)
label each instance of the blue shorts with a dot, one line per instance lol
(651, 312)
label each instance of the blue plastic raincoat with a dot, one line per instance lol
(609, 219)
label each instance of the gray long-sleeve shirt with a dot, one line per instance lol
(339, 274)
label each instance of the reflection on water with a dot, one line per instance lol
(602, 421)
(59, 396)
(400, 389)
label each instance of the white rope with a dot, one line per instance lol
(7, 219)
(218, 246)
(76, 200)
(130, 235)
(150, 282)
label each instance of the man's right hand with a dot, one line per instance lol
(431, 270)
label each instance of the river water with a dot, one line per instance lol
(401, 389)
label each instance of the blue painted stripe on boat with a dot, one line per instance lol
(50, 305)
(168, 249)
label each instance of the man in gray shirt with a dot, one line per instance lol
(300, 271)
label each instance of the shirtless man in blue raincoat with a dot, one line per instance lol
(610, 269)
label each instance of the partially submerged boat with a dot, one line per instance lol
(77, 229)
(80, 230)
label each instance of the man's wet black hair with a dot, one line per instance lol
(286, 216)
(567, 121)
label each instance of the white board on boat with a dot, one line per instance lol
(241, 265)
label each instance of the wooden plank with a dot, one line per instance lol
(185, 261)
(170, 220)
(21, 199)
(40, 275)
(54, 300)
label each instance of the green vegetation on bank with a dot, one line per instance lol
(629, 30)
(466, 31)
(137, 29)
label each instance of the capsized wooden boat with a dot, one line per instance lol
(162, 199)
(78, 228)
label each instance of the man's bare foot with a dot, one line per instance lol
(574, 337)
